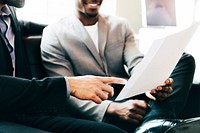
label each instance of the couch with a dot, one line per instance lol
(32, 45)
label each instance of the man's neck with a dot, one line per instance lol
(89, 22)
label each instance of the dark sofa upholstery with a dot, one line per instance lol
(32, 45)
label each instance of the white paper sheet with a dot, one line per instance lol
(158, 63)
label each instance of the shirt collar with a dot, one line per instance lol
(4, 10)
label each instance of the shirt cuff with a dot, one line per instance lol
(68, 87)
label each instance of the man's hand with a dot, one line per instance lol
(93, 88)
(130, 111)
(161, 92)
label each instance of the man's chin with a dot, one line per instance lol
(91, 15)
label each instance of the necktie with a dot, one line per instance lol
(5, 21)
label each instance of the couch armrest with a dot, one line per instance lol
(192, 108)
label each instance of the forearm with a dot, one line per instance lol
(23, 94)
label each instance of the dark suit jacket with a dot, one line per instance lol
(21, 94)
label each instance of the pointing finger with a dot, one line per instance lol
(114, 80)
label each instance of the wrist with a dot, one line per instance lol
(67, 87)
(111, 108)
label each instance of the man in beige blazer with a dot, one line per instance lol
(90, 43)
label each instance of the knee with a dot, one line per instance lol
(188, 60)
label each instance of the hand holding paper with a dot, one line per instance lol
(161, 92)
(158, 63)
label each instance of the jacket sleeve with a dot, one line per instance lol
(53, 55)
(22, 95)
(132, 53)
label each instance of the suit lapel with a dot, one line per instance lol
(6, 66)
(81, 31)
(103, 32)
(2, 37)
(19, 49)
(15, 28)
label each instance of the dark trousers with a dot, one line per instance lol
(9, 127)
(174, 104)
(55, 124)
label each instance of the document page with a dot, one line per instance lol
(158, 63)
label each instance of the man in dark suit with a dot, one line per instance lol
(37, 105)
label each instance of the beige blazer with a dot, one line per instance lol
(67, 49)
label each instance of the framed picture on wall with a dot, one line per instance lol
(160, 12)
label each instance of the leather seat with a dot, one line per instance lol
(191, 125)
(32, 46)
